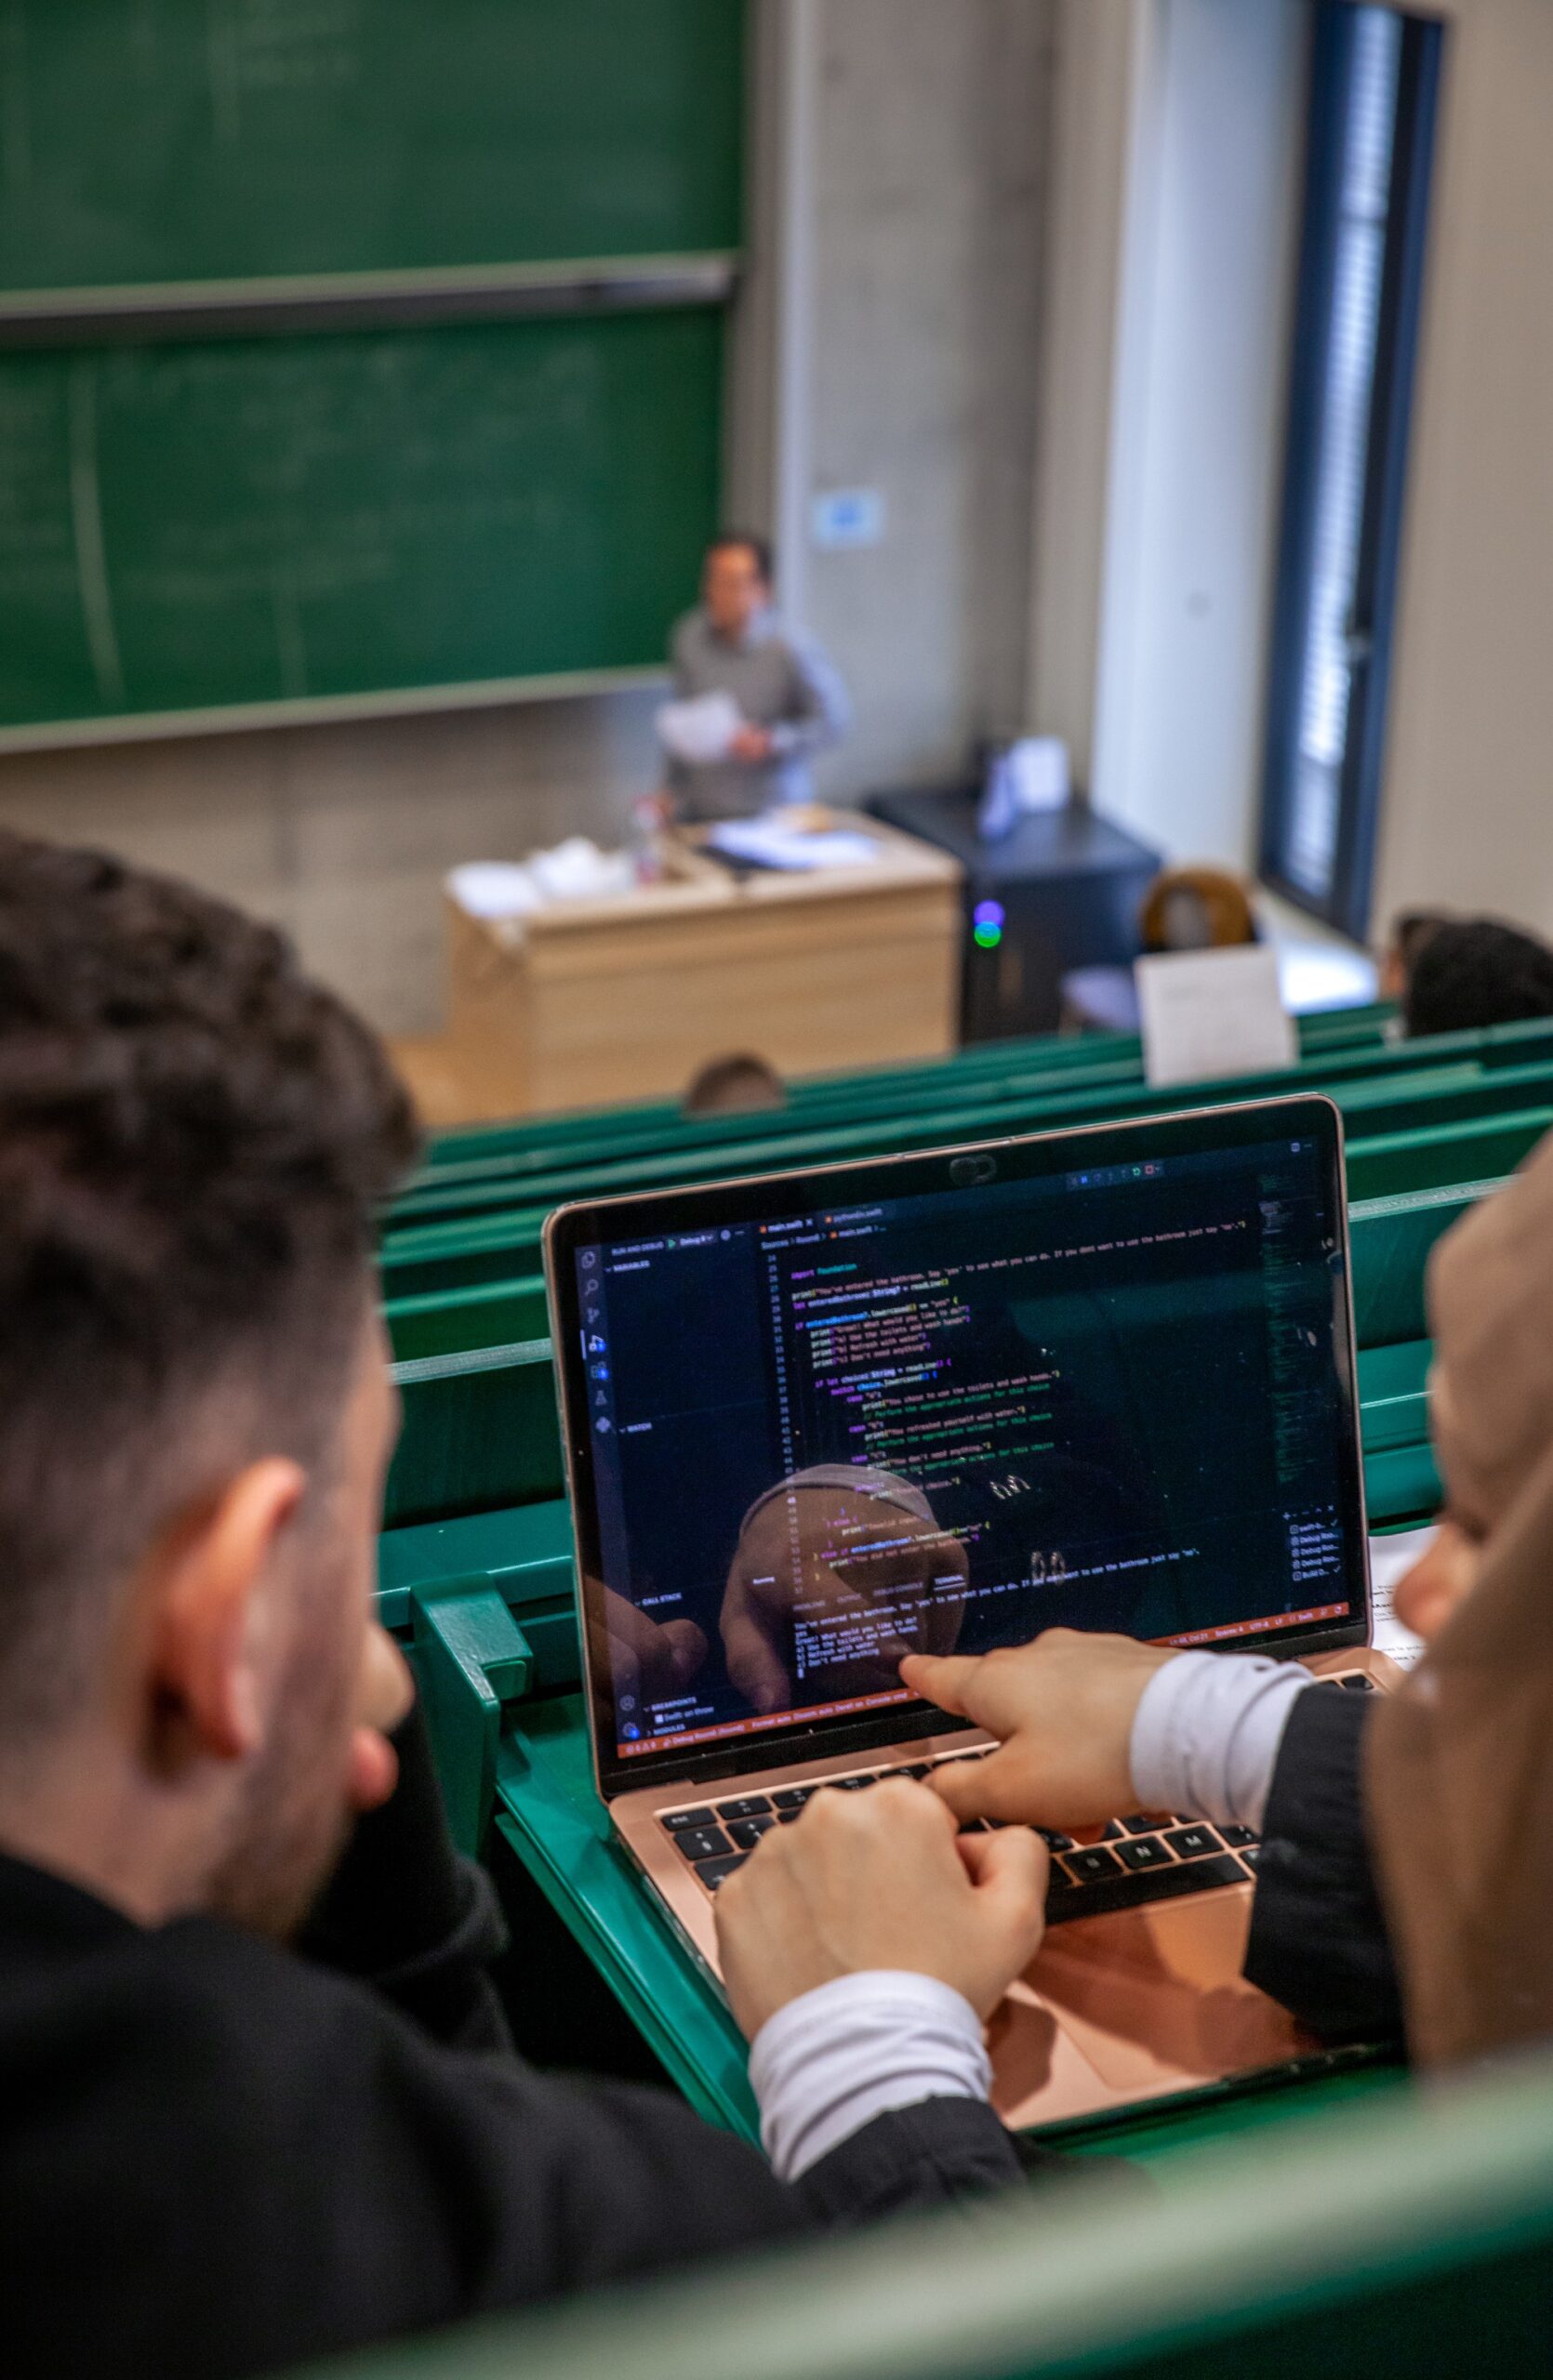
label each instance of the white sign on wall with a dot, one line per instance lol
(846, 518)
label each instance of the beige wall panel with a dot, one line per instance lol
(1468, 814)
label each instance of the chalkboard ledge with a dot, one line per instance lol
(283, 302)
(312, 711)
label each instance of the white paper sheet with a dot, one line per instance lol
(1038, 771)
(1390, 1556)
(575, 870)
(493, 889)
(699, 732)
(1212, 1012)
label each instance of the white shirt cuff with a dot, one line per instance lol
(850, 2050)
(1206, 1734)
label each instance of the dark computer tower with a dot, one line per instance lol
(1062, 891)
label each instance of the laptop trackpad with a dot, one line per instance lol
(1153, 1998)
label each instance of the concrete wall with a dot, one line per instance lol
(1100, 52)
(343, 834)
(930, 148)
(1468, 806)
(910, 312)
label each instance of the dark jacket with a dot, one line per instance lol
(219, 2156)
(1319, 1941)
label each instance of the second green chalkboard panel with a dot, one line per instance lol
(154, 141)
(255, 522)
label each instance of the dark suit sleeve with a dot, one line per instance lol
(476, 2185)
(225, 2161)
(1319, 1942)
(575, 2181)
(406, 1914)
(932, 2154)
(637, 2183)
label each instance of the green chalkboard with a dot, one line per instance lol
(176, 141)
(206, 526)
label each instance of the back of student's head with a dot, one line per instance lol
(740, 1084)
(1468, 972)
(193, 1136)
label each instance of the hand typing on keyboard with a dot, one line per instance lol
(1063, 1709)
(861, 1882)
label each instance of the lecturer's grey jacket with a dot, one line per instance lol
(781, 681)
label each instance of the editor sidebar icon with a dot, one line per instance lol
(604, 1425)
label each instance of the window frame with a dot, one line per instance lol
(1347, 902)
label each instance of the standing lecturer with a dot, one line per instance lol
(790, 701)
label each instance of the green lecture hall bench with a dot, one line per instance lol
(1396, 2229)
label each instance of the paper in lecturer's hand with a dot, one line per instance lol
(699, 732)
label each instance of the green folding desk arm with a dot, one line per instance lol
(470, 1658)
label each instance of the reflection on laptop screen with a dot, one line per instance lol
(1108, 1399)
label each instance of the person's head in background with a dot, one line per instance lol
(740, 1084)
(1468, 972)
(1410, 930)
(195, 1413)
(736, 582)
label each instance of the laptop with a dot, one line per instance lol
(814, 1419)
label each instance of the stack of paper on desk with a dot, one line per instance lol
(767, 843)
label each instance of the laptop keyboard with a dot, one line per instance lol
(1136, 1860)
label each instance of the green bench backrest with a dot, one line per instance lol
(1452, 1130)
(1408, 2235)
(455, 1322)
(484, 1143)
(1366, 1080)
(1035, 1071)
(618, 1137)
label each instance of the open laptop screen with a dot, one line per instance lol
(1100, 1381)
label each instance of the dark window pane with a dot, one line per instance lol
(1373, 78)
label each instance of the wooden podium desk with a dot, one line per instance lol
(628, 997)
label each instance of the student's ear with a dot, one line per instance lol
(215, 1612)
